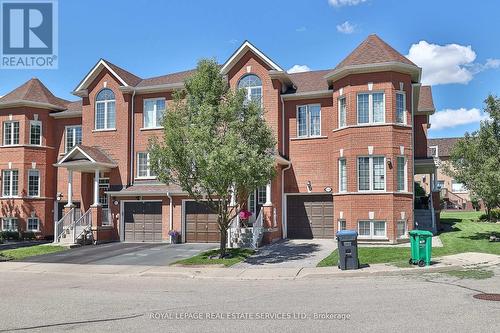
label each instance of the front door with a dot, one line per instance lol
(255, 202)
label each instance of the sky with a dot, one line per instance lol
(455, 42)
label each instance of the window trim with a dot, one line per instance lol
(371, 174)
(36, 122)
(405, 234)
(343, 97)
(262, 189)
(37, 223)
(308, 121)
(248, 90)
(155, 111)
(405, 174)
(11, 184)
(402, 93)
(12, 136)
(73, 128)
(106, 103)
(372, 230)
(339, 224)
(9, 218)
(340, 175)
(148, 165)
(437, 150)
(39, 183)
(370, 107)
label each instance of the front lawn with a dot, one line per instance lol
(463, 234)
(210, 258)
(25, 252)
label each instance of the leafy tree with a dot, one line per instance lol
(214, 144)
(475, 159)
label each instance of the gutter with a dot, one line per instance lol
(171, 212)
(283, 202)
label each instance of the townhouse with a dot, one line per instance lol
(349, 141)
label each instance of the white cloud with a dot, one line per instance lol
(301, 29)
(340, 3)
(449, 118)
(346, 28)
(299, 69)
(450, 63)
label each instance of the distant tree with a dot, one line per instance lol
(214, 141)
(475, 159)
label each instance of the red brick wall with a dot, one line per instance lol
(420, 136)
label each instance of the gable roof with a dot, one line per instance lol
(373, 54)
(425, 101)
(33, 93)
(445, 145)
(126, 78)
(241, 51)
(83, 157)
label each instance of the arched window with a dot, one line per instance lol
(105, 117)
(252, 85)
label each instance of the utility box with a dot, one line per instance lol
(348, 249)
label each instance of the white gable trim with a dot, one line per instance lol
(96, 70)
(71, 152)
(246, 46)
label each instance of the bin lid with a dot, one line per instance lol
(350, 233)
(421, 233)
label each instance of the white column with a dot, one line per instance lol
(70, 188)
(233, 196)
(96, 189)
(268, 195)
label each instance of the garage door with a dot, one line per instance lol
(142, 221)
(201, 223)
(310, 216)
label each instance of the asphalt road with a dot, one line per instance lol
(53, 302)
(148, 254)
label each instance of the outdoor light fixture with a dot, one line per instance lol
(389, 163)
(328, 189)
(115, 202)
(59, 196)
(309, 186)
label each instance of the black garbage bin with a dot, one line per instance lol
(348, 249)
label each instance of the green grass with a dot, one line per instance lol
(476, 274)
(236, 256)
(29, 251)
(463, 234)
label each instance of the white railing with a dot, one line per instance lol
(234, 230)
(82, 225)
(258, 229)
(63, 224)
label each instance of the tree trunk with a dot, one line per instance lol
(223, 242)
(488, 211)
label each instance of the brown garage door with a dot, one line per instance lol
(201, 224)
(309, 216)
(142, 221)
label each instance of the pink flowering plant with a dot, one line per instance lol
(244, 216)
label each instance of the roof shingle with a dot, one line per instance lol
(425, 101)
(33, 91)
(445, 145)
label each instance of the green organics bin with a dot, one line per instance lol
(421, 247)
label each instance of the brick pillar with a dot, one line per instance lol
(96, 212)
(268, 218)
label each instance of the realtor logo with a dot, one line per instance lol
(29, 34)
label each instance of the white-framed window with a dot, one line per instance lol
(10, 224)
(143, 166)
(372, 229)
(371, 108)
(33, 183)
(371, 173)
(434, 151)
(154, 109)
(35, 132)
(105, 112)
(401, 173)
(10, 183)
(457, 187)
(401, 229)
(342, 112)
(10, 133)
(73, 137)
(342, 224)
(440, 184)
(252, 85)
(342, 175)
(33, 224)
(400, 108)
(262, 195)
(308, 120)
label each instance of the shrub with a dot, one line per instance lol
(28, 235)
(475, 203)
(495, 215)
(9, 235)
(419, 190)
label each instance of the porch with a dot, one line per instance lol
(427, 205)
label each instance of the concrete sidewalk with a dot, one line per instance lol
(464, 260)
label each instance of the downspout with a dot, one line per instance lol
(283, 199)
(132, 142)
(171, 212)
(413, 153)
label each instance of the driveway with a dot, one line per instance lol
(124, 254)
(290, 253)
